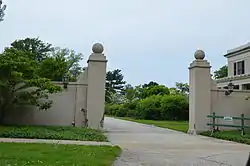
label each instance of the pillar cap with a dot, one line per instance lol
(199, 54)
(97, 48)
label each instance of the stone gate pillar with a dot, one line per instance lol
(96, 86)
(199, 93)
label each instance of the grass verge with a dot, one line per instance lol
(230, 136)
(173, 125)
(52, 132)
(56, 155)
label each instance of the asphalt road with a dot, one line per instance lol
(145, 145)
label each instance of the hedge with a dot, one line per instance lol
(156, 107)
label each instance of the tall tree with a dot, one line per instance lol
(20, 84)
(54, 62)
(150, 84)
(2, 9)
(174, 91)
(221, 72)
(153, 90)
(130, 93)
(37, 47)
(114, 83)
(68, 62)
(182, 87)
(53, 68)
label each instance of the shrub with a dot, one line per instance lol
(110, 109)
(149, 108)
(155, 107)
(115, 110)
(130, 109)
(121, 111)
(132, 113)
(174, 107)
(131, 105)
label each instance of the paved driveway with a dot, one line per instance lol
(145, 145)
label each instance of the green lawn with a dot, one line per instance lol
(231, 136)
(52, 132)
(174, 125)
(21, 154)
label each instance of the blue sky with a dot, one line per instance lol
(149, 40)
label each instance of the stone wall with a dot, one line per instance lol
(62, 113)
(205, 98)
(233, 105)
(81, 104)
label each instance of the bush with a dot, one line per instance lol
(174, 107)
(149, 108)
(115, 110)
(132, 113)
(130, 108)
(121, 111)
(155, 107)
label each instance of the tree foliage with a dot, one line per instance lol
(61, 62)
(151, 101)
(37, 47)
(221, 72)
(54, 62)
(130, 93)
(114, 84)
(27, 68)
(182, 88)
(148, 91)
(19, 82)
(150, 84)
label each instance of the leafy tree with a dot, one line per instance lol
(182, 87)
(154, 90)
(53, 68)
(130, 93)
(150, 89)
(37, 47)
(174, 91)
(117, 98)
(114, 83)
(2, 9)
(150, 84)
(73, 61)
(54, 62)
(20, 84)
(221, 72)
(61, 62)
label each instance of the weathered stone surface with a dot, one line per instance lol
(97, 48)
(199, 54)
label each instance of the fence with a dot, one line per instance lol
(242, 125)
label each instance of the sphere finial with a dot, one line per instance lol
(97, 48)
(199, 54)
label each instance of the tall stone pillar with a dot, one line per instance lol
(96, 86)
(199, 93)
(81, 98)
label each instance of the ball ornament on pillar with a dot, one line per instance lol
(97, 48)
(199, 54)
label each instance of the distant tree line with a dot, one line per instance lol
(146, 101)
